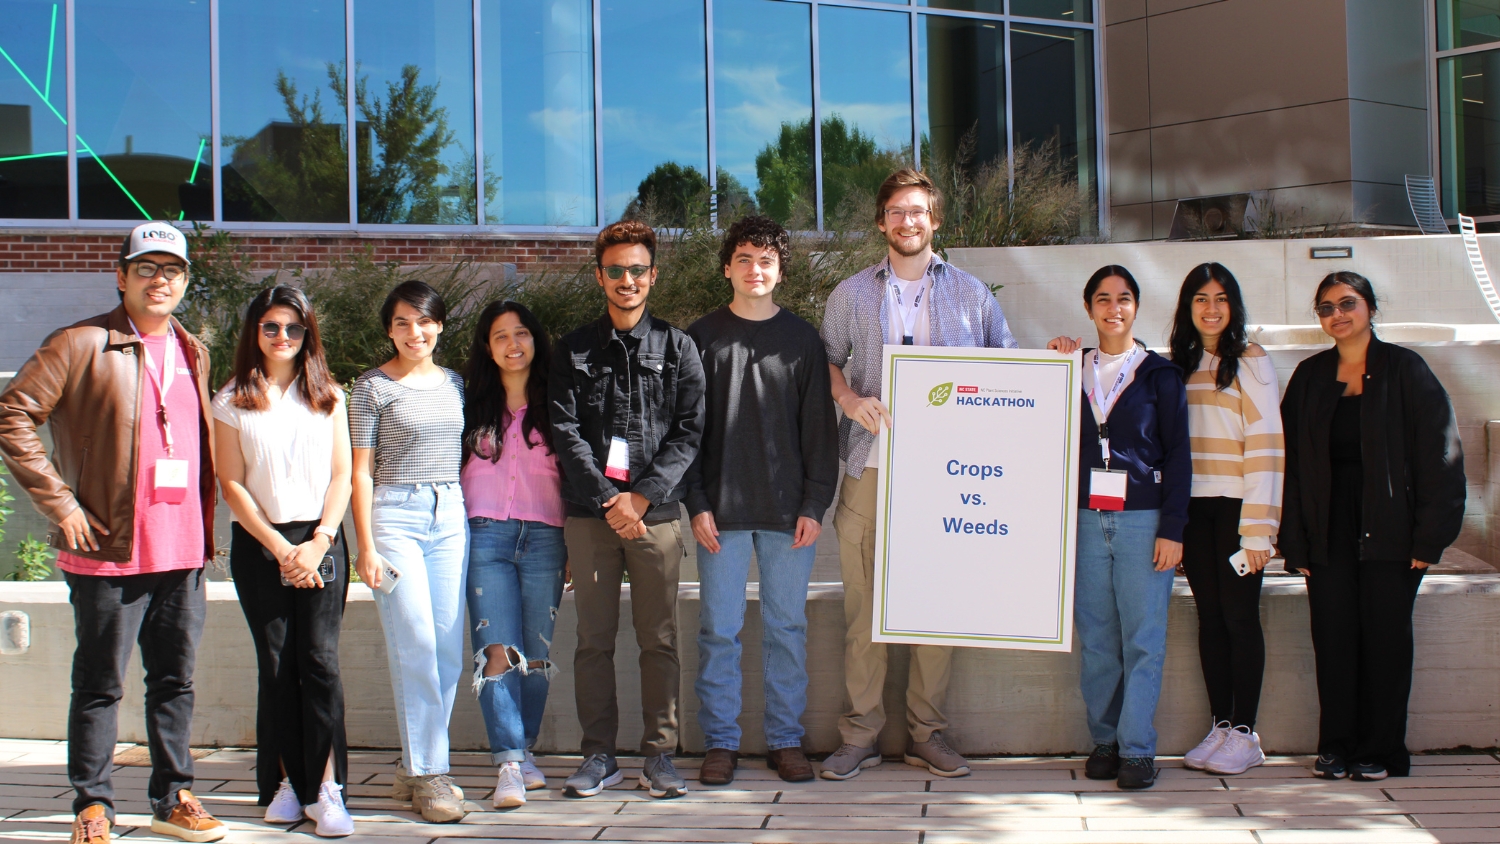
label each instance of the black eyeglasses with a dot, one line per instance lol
(1325, 309)
(294, 331)
(617, 272)
(170, 272)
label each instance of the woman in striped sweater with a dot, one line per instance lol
(1239, 458)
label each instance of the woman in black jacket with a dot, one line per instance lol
(1374, 493)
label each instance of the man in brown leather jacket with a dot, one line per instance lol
(129, 492)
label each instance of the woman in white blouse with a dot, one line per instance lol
(282, 449)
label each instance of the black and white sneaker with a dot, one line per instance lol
(597, 773)
(660, 777)
(1368, 771)
(1330, 766)
(1137, 772)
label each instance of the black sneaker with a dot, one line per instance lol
(1104, 762)
(1330, 766)
(1367, 771)
(597, 773)
(1137, 772)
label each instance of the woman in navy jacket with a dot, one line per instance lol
(1135, 476)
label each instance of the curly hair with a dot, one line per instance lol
(758, 231)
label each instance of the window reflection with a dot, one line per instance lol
(33, 110)
(282, 111)
(1464, 23)
(1469, 133)
(1053, 86)
(1076, 11)
(865, 70)
(962, 91)
(994, 7)
(414, 107)
(763, 110)
(539, 111)
(143, 116)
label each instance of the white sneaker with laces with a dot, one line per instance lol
(510, 788)
(531, 774)
(1239, 753)
(1198, 756)
(329, 814)
(285, 807)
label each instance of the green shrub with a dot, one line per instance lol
(33, 558)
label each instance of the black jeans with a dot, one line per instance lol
(300, 716)
(1231, 645)
(163, 612)
(1362, 638)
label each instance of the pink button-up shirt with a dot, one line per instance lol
(523, 484)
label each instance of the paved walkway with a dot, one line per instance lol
(1448, 799)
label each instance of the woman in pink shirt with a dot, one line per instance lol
(513, 494)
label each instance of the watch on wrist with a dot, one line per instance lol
(324, 530)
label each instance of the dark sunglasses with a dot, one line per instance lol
(1325, 309)
(616, 272)
(294, 331)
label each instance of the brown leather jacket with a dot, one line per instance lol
(85, 380)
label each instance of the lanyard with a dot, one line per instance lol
(162, 380)
(1104, 405)
(909, 316)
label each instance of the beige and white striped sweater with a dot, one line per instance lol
(1237, 443)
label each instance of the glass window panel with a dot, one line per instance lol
(961, 62)
(1078, 11)
(1469, 133)
(1464, 23)
(763, 109)
(538, 112)
(655, 109)
(143, 115)
(994, 7)
(282, 111)
(1053, 87)
(414, 129)
(33, 110)
(865, 74)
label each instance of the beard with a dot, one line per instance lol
(924, 240)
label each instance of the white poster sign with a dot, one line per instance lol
(977, 498)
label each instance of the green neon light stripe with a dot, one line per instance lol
(32, 85)
(33, 155)
(51, 44)
(197, 159)
(112, 176)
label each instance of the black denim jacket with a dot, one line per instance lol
(651, 396)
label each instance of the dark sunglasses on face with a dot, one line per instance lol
(294, 331)
(1325, 309)
(616, 272)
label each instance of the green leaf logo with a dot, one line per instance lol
(939, 395)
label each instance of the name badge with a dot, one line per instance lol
(618, 464)
(171, 481)
(1107, 489)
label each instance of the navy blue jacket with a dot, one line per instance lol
(1148, 438)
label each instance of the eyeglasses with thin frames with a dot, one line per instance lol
(294, 331)
(1347, 304)
(897, 215)
(616, 272)
(148, 270)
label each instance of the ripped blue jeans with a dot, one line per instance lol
(514, 586)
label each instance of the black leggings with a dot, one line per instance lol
(1230, 644)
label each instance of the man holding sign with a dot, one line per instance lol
(910, 298)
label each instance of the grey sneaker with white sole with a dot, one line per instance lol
(597, 773)
(936, 756)
(846, 762)
(660, 777)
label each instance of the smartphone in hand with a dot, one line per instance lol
(1241, 562)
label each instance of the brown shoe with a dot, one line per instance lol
(718, 766)
(189, 821)
(91, 826)
(790, 763)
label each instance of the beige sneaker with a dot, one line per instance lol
(936, 756)
(437, 799)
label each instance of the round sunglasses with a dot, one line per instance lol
(294, 331)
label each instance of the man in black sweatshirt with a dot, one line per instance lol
(762, 481)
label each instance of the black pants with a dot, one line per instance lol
(1230, 643)
(1362, 636)
(163, 612)
(300, 716)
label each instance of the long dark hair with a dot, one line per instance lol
(317, 386)
(1187, 343)
(486, 415)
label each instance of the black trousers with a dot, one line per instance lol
(164, 612)
(1230, 643)
(1362, 638)
(300, 718)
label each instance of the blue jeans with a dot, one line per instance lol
(423, 530)
(1120, 613)
(784, 572)
(515, 584)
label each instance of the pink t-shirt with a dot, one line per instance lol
(167, 536)
(523, 484)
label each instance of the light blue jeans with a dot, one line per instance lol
(1120, 613)
(784, 572)
(423, 531)
(515, 584)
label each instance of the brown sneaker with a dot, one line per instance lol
(790, 763)
(718, 766)
(936, 756)
(189, 821)
(91, 826)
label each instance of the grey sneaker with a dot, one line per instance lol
(660, 777)
(848, 761)
(936, 756)
(438, 799)
(597, 773)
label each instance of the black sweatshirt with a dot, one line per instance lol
(770, 441)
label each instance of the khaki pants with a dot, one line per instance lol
(598, 556)
(864, 660)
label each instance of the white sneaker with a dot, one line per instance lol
(332, 818)
(1198, 756)
(1239, 753)
(531, 774)
(285, 807)
(510, 788)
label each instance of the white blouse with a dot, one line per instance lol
(288, 452)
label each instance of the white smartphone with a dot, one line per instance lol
(389, 577)
(1241, 562)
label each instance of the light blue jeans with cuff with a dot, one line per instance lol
(784, 572)
(1120, 612)
(515, 584)
(423, 530)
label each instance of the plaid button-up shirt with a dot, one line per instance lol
(963, 313)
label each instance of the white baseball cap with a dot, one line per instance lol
(154, 237)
